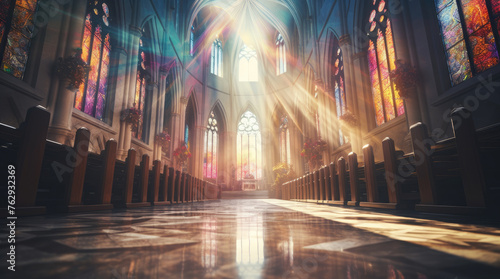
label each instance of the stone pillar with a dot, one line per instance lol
(399, 32)
(129, 89)
(61, 121)
(345, 44)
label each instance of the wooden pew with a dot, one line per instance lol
(322, 190)
(163, 193)
(24, 148)
(171, 185)
(341, 166)
(178, 181)
(353, 180)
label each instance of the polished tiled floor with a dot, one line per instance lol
(250, 238)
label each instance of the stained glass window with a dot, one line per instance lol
(248, 64)
(381, 59)
(216, 58)
(91, 96)
(249, 147)
(285, 155)
(211, 147)
(469, 29)
(16, 31)
(280, 55)
(142, 78)
(337, 81)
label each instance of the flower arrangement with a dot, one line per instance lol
(163, 139)
(349, 119)
(181, 153)
(131, 115)
(72, 69)
(404, 77)
(312, 151)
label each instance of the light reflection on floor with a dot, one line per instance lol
(247, 239)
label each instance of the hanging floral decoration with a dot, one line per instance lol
(72, 69)
(131, 115)
(181, 153)
(404, 77)
(312, 152)
(163, 139)
(349, 119)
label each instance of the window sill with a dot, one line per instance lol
(468, 86)
(141, 144)
(386, 126)
(20, 86)
(342, 148)
(92, 121)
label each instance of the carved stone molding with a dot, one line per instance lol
(184, 100)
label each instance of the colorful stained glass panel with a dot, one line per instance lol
(451, 28)
(480, 33)
(87, 36)
(384, 76)
(374, 77)
(458, 63)
(90, 96)
(17, 46)
(103, 80)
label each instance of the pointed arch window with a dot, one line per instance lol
(337, 82)
(248, 64)
(470, 34)
(381, 59)
(249, 147)
(16, 31)
(280, 55)
(211, 147)
(216, 58)
(285, 154)
(92, 95)
(141, 90)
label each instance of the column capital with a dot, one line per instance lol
(134, 30)
(184, 100)
(345, 40)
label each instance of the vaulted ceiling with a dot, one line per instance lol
(253, 20)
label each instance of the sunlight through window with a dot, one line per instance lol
(248, 64)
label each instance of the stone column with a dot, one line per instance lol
(161, 111)
(399, 31)
(129, 90)
(350, 90)
(61, 121)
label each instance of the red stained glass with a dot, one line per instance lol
(377, 98)
(90, 96)
(480, 33)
